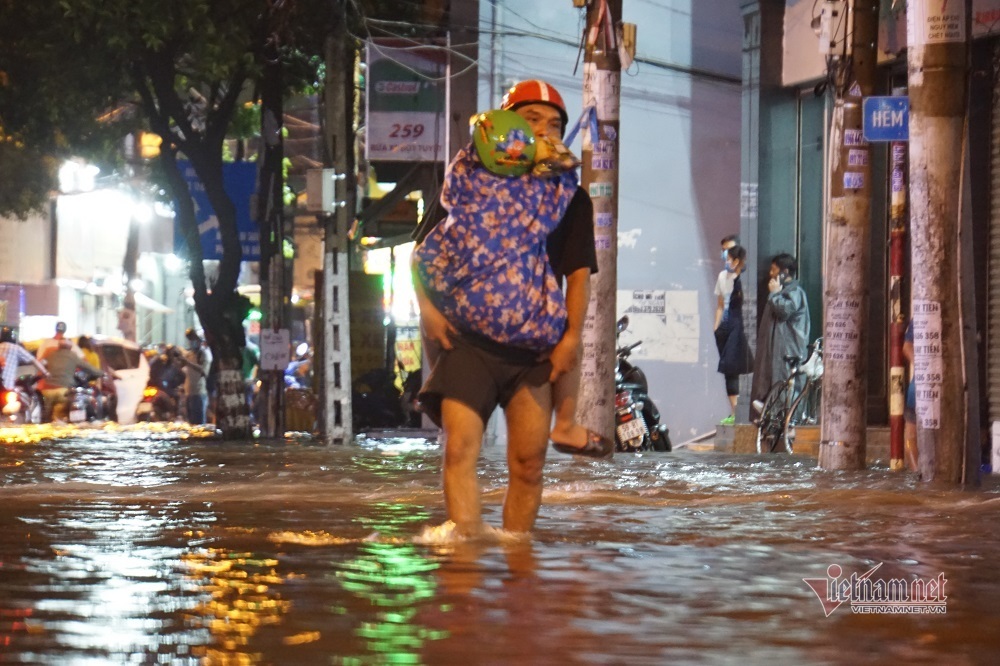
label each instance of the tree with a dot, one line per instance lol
(52, 103)
(77, 75)
(180, 67)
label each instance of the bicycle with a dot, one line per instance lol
(787, 407)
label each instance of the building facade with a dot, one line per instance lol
(787, 108)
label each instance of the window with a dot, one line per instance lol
(118, 357)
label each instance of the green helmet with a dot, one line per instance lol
(504, 142)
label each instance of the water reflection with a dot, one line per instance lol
(241, 595)
(126, 548)
(394, 578)
(105, 582)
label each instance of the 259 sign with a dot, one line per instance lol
(407, 131)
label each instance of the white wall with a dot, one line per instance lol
(91, 232)
(802, 62)
(25, 249)
(679, 172)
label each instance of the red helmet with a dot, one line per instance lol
(535, 91)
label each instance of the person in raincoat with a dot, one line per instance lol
(784, 328)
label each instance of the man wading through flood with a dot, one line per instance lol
(496, 325)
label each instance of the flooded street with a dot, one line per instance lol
(146, 548)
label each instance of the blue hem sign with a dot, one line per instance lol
(886, 118)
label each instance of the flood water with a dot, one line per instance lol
(133, 548)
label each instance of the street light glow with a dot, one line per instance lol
(77, 177)
(142, 212)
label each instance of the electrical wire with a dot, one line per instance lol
(546, 35)
(381, 50)
(542, 29)
(668, 8)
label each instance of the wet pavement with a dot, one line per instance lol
(134, 546)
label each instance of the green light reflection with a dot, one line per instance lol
(395, 579)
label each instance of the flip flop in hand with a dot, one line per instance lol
(596, 446)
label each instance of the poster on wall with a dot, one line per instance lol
(405, 96)
(666, 321)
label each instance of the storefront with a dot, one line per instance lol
(787, 109)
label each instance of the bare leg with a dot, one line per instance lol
(910, 453)
(564, 395)
(528, 416)
(733, 399)
(463, 432)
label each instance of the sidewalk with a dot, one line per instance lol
(742, 438)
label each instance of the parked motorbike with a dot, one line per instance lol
(161, 398)
(376, 402)
(23, 403)
(637, 420)
(411, 389)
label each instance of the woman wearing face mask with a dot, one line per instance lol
(735, 357)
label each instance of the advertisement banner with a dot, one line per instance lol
(405, 103)
(240, 182)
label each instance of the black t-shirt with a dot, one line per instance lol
(570, 245)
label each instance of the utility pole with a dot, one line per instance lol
(845, 296)
(937, 59)
(127, 320)
(897, 309)
(496, 54)
(601, 91)
(271, 215)
(339, 106)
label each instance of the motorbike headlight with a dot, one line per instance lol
(11, 403)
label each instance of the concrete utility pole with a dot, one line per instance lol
(127, 319)
(845, 296)
(339, 106)
(601, 90)
(937, 58)
(271, 216)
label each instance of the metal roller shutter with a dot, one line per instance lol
(993, 304)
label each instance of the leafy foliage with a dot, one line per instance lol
(77, 75)
(52, 102)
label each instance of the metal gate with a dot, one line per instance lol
(992, 342)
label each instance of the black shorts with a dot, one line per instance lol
(481, 374)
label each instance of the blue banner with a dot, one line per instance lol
(240, 181)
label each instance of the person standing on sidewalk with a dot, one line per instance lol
(735, 357)
(783, 330)
(197, 363)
